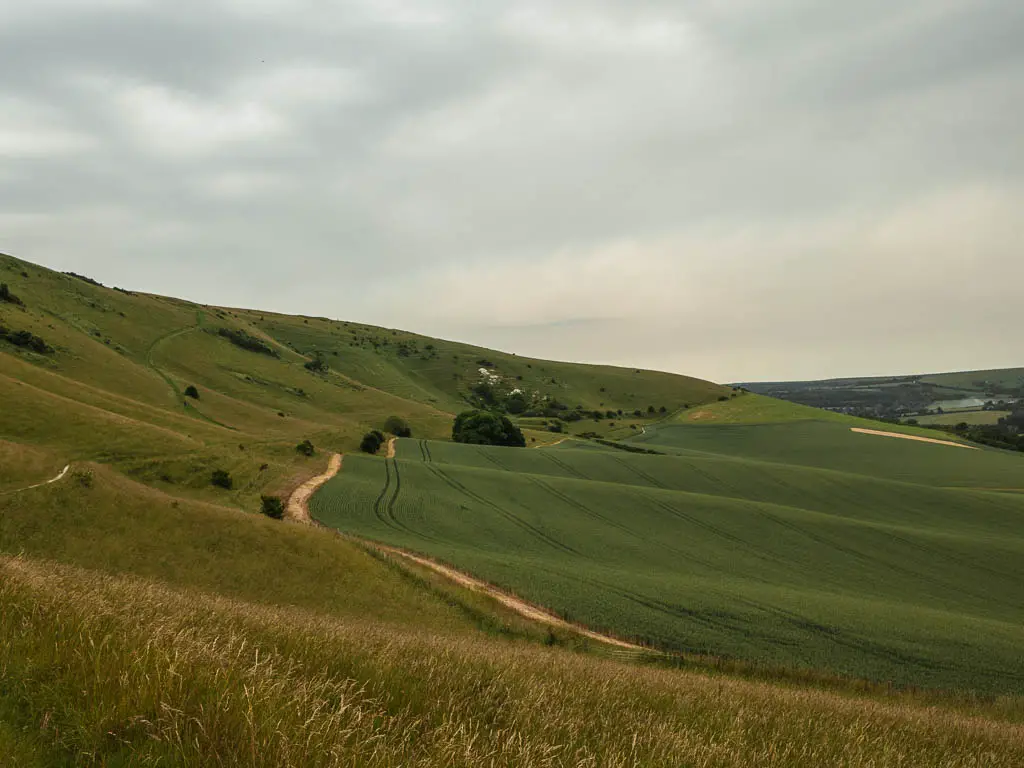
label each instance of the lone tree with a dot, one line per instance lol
(191, 391)
(222, 479)
(398, 426)
(272, 506)
(486, 428)
(305, 448)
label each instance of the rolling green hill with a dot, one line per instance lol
(112, 387)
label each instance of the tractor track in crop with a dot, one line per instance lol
(300, 499)
(510, 516)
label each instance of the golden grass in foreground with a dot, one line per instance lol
(100, 670)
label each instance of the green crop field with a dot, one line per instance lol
(966, 417)
(730, 545)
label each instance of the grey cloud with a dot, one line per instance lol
(598, 158)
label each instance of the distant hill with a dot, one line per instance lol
(898, 396)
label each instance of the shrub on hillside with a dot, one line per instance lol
(305, 448)
(272, 507)
(83, 477)
(398, 426)
(722, 398)
(8, 297)
(318, 364)
(484, 392)
(247, 341)
(516, 403)
(26, 340)
(486, 428)
(222, 479)
(191, 391)
(372, 441)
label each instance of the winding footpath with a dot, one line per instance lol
(52, 480)
(298, 502)
(298, 510)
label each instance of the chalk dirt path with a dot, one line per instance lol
(911, 437)
(52, 480)
(298, 503)
(298, 510)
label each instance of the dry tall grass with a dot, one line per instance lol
(101, 670)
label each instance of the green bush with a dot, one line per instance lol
(191, 391)
(486, 428)
(222, 479)
(26, 339)
(272, 506)
(516, 403)
(318, 364)
(372, 441)
(398, 426)
(305, 448)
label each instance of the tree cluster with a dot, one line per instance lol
(372, 441)
(486, 428)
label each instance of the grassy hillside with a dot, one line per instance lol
(111, 387)
(159, 677)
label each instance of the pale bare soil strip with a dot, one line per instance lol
(59, 477)
(391, 448)
(298, 510)
(911, 437)
(523, 608)
(298, 503)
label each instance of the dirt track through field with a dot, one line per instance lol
(911, 437)
(298, 502)
(298, 510)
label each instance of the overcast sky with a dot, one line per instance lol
(733, 189)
